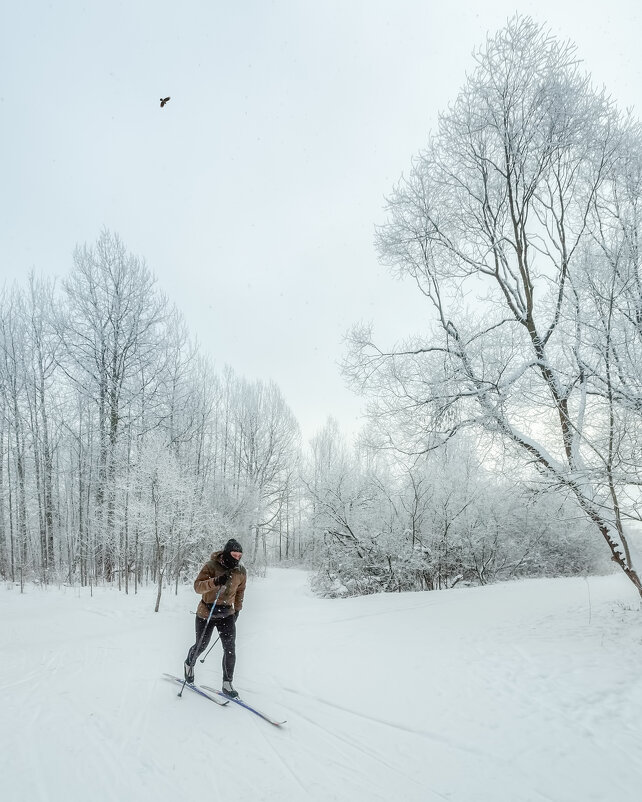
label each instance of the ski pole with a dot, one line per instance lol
(210, 649)
(200, 640)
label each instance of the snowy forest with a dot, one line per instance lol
(126, 456)
(502, 442)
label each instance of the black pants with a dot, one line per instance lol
(227, 630)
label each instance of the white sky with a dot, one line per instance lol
(253, 195)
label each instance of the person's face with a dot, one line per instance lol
(236, 554)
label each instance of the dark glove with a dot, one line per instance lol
(222, 579)
(236, 615)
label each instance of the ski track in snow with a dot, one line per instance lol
(510, 693)
(431, 736)
(288, 768)
(331, 735)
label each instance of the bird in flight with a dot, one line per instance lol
(163, 101)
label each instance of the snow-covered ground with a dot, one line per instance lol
(521, 691)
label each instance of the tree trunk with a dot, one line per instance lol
(4, 557)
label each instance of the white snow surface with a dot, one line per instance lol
(527, 690)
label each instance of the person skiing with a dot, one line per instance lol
(221, 583)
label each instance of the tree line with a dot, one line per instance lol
(125, 457)
(122, 451)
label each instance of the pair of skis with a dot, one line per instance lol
(219, 698)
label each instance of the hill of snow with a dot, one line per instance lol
(523, 691)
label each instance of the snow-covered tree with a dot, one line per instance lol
(510, 221)
(110, 332)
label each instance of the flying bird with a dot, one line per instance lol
(163, 101)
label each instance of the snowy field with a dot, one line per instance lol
(522, 691)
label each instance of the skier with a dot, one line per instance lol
(221, 583)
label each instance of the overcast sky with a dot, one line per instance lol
(254, 193)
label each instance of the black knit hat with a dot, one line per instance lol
(226, 557)
(232, 545)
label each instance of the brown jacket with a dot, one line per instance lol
(231, 594)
